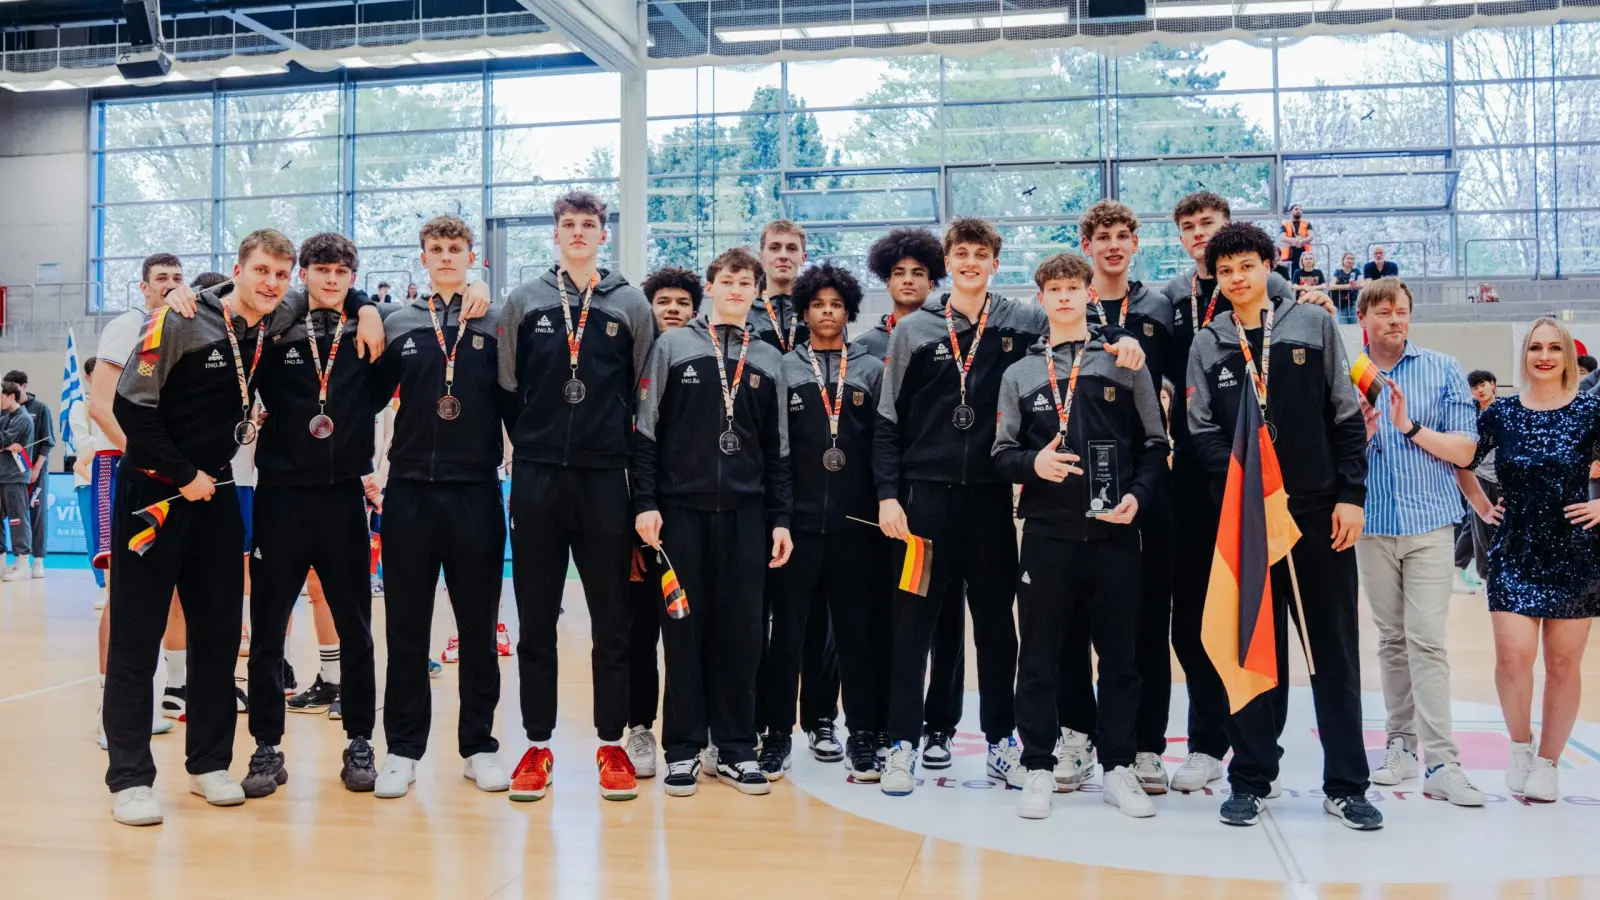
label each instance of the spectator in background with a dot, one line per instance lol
(1379, 267)
(44, 440)
(1308, 276)
(411, 292)
(382, 296)
(1484, 387)
(16, 435)
(1586, 365)
(1346, 283)
(1295, 240)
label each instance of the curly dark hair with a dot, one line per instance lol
(1238, 238)
(828, 275)
(328, 248)
(901, 243)
(674, 277)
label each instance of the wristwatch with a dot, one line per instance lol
(1415, 427)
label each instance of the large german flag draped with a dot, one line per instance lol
(1255, 532)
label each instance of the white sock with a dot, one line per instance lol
(177, 668)
(330, 662)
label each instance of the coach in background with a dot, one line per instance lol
(1406, 555)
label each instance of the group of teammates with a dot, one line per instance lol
(757, 436)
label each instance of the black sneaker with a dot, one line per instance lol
(360, 771)
(315, 699)
(936, 750)
(266, 772)
(336, 708)
(774, 758)
(241, 700)
(1354, 812)
(880, 744)
(1241, 809)
(824, 745)
(861, 758)
(744, 777)
(683, 777)
(290, 686)
(175, 703)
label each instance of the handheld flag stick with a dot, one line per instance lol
(862, 521)
(180, 496)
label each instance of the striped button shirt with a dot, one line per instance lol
(1409, 490)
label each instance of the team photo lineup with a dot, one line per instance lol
(799, 506)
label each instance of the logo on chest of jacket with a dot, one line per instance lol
(543, 326)
(858, 397)
(796, 403)
(477, 342)
(293, 356)
(1005, 345)
(1041, 403)
(941, 352)
(1226, 378)
(409, 348)
(1299, 356)
(1177, 317)
(214, 361)
(754, 381)
(1110, 393)
(690, 376)
(1149, 329)
(611, 329)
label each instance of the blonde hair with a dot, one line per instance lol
(1569, 352)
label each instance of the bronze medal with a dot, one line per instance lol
(449, 408)
(321, 427)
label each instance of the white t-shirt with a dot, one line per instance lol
(121, 337)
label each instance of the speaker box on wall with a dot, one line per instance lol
(1116, 9)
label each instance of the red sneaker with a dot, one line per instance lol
(531, 778)
(502, 640)
(617, 779)
(452, 650)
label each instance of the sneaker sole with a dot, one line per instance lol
(828, 757)
(682, 790)
(1033, 813)
(1441, 795)
(145, 820)
(1388, 780)
(279, 779)
(530, 796)
(1153, 788)
(230, 801)
(1141, 813)
(175, 715)
(357, 788)
(619, 794)
(754, 790)
(492, 789)
(335, 716)
(390, 795)
(862, 777)
(1067, 787)
(1240, 823)
(936, 764)
(889, 793)
(308, 709)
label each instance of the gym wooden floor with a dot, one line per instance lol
(448, 840)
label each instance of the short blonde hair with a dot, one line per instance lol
(1569, 352)
(782, 226)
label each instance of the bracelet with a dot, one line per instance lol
(1415, 427)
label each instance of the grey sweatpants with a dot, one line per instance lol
(14, 500)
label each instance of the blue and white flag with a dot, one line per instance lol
(71, 393)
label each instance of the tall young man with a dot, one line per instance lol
(573, 345)
(1196, 302)
(773, 317)
(16, 436)
(910, 263)
(1085, 440)
(711, 483)
(675, 294)
(1288, 358)
(936, 420)
(441, 509)
(313, 463)
(44, 440)
(832, 388)
(183, 402)
(1109, 235)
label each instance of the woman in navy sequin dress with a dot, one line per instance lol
(1544, 572)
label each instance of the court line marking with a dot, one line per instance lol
(45, 690)
(1286, 858)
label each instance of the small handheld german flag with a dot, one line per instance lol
(156, 515)
(918, 565)
(671, 591)
(1368, 380)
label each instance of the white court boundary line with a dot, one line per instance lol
(45, 690)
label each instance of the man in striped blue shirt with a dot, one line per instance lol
(1407, 555)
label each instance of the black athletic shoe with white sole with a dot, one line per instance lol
(683, 778)
(175, 703)
(266, 772)
(315, 699)
(775, 757)
(360, 770)
(290, 686)
(241, 700)
(861, 758)
(744, 777)
(1241, 809)
(936, 750)
(1354, 812)
(824, 745)
(336, 708)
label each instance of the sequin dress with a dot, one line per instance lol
(1541, 565)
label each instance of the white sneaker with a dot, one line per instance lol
(1005, 762)
(1541, 785)
(1037, 786)
(1151, 773)
(1199, 770)
(100, 729)
(100, 600)
(1123, 790)
(137, 806)
(1448, 782)
(1274, 789)
(38, 567)
(709, 759)
(1074, 760)
(217, 787)
(899, 777)
(1519, 766)
(485, 769)
(1399, 763)
(641, 747)
(160, 724)
(18, 572)
(398, 774)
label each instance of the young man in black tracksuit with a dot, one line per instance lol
(711, 483)
(314, 465)
(910, 263)
(1086, 442)
(573, 344)
(183, 401)
(1196, 302)
(1110, 239)
(441, 508)
(832, 389)
(1289, 358)
(931, 452)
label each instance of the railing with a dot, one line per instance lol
(397, 285)
(38, 316)
(1466, 265)
(1421, 245)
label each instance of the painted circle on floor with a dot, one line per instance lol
(1422, 840)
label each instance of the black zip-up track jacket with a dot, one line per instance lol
(776, 333)
(1111, 404)
(822, 499)
(426, 447)
(676, 457)
(534, 364)
(876, 340)
(1148, 314)
(1321, 443)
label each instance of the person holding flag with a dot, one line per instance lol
(38, 454)
(16, 436)
(1268, 383)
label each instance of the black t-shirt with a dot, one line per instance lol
(1389, 270)
(1309, 277)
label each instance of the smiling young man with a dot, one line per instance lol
(773, 316)
(935, 479)
(712, 488)
(442, 510)
(1288, 358)
(832, 388)
(1063, 409)
(573, 345)
(675, 294)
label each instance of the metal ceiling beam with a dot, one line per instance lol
(675, 17)
(606, 30)
(271, 34)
